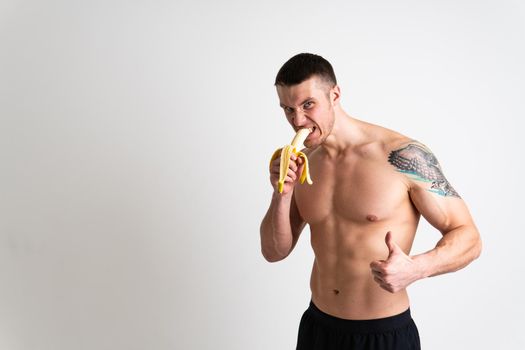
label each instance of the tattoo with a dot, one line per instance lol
(420, 164)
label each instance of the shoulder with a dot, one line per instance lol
(408, 148)
(413, 159)
(384, 140)
(419, 164)
(403, 150)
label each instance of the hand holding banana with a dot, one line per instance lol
(286, 153)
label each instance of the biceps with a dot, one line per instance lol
(442, 212)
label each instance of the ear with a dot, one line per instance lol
(335, 95)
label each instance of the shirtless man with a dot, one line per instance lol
(370, 187)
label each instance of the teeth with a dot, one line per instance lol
(299, 138)
(286, 153)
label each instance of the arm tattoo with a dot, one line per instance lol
(420, 164)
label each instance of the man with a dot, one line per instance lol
(370, 187)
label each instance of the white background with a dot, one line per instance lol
(134, 143)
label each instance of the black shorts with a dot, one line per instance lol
(319, 330)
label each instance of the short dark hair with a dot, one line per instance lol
(302, 67)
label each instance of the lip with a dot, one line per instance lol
(311, 128)
(311, 134)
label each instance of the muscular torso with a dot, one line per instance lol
(356, 198)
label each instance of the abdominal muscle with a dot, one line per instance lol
(342, 284)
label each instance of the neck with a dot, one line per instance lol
(345, 134)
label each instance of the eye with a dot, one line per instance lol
(288, 109)
(308, 105)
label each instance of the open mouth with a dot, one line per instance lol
(312, 129)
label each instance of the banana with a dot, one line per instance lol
(286, 152)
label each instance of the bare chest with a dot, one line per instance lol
(353, 189)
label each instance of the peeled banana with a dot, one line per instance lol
(286, 152)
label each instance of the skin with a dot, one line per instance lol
(362, 211)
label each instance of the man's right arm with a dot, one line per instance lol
(282, 224)
(281, 227)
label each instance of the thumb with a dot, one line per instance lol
(393, 248)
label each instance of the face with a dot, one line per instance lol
(310, 104)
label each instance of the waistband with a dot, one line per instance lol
(360, 326)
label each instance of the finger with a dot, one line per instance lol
(378, 280)
(377, 265)
(276, 161)
(378, 270)
(393, 248)
(276, 169)
(291, 176)
(276, 164)
(388, 241)
(300, 169)
(292, 169)
(378, 275)
(287, 180)
(387, 288)
(293, 165)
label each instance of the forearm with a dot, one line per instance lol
(454, 251)
(276, 230)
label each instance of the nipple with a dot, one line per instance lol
(371, 217)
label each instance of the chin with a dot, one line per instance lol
(312, 145)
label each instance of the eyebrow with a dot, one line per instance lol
(302, 103)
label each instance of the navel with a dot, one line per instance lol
(336, 291)
(371, 217)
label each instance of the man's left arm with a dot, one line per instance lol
(444, 209)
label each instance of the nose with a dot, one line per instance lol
(299, 118)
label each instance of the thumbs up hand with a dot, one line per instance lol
(397, 271)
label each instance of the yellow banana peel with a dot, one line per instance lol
(286, 153)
